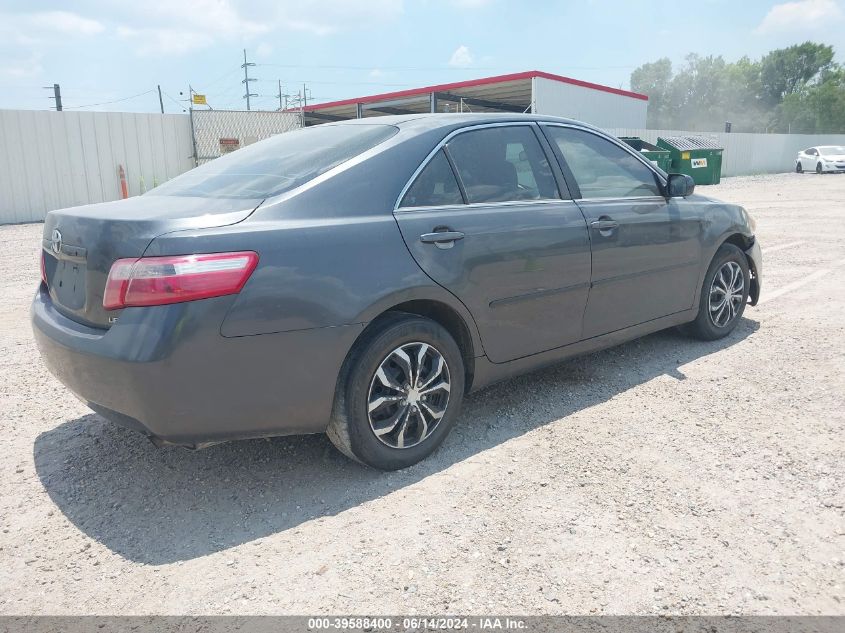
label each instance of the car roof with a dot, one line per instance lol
(431, 121)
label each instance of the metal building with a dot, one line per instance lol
(531, 91)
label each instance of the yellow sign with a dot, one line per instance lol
(198, 99)
(684, 155)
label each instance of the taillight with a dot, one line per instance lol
(43, 269)
(152, 281)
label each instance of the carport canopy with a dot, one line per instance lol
(503, 93)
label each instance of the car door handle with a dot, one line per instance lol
(604, 225)
(441, 237)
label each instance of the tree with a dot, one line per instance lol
(799, 88)
(816, 107)
(653, 79)
(784, 71)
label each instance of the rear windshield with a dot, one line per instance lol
(277, 164)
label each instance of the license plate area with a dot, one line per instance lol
(68, 284)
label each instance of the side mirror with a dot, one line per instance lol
(679, 186)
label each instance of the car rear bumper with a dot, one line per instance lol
(167, 372)
(755, 262)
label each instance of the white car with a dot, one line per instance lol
(821, 159)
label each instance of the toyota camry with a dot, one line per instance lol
(359, 278)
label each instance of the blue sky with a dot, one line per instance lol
(104, 51)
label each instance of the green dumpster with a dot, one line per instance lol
(696, 156)
(660, 157)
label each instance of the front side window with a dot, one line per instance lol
(601, 168)
(277, 164)
(434, 186)
(502, 164)
(812, 151)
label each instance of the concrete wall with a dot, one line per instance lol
(50, 160)
(600, 108)
(747, 154)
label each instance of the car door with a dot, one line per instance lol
(809, 159)
(484, 218)
(646, 250)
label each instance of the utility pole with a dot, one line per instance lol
(57, 95)
(160, 101)
(283, 105)
(245, 81)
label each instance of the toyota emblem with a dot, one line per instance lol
(56, 241)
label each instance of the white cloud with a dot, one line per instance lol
(203, 22)
(25, 38)
(64, 22)
(263, 50)
(324, 17)
(174, 27)
(800, 16)
(42, 25)
(461, 58)
(199, 20)
(154, 42)
(17, 68)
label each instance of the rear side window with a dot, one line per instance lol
(601, 168)
(277, 164)
(434, 186)
(501, 164)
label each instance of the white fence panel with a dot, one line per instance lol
(51, 160)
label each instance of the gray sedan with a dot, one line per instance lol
(359, 278)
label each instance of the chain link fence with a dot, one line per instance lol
(218, 132)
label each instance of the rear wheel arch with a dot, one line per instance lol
(442, 314)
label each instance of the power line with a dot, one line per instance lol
(90, 105)
(344, 83)
(226, 75)
(438, 68)
(175, 101)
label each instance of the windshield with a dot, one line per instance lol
(278, 164)
(831, 149)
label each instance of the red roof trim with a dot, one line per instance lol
(476, 82)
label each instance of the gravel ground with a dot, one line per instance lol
(662, 476)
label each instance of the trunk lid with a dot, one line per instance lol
(81, 243)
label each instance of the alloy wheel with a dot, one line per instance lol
(727, 293)
(408, 395)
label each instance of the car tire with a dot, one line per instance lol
(410, 423)
(819, 168)
(799, 168)
(720, 311)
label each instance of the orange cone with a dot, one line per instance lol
(124, 188)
